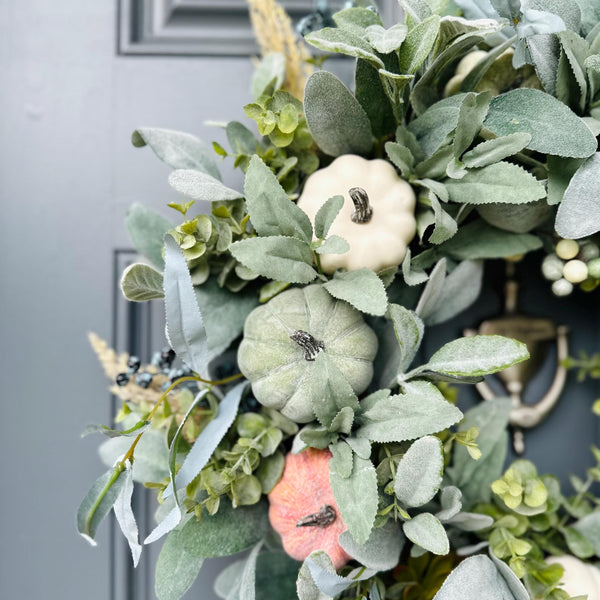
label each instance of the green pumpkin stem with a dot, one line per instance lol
(325, 516)
(308, 343)
(363, 211)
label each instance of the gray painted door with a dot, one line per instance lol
(68, 104)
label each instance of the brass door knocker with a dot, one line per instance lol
(535, 332)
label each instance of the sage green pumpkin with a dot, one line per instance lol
(280, 368)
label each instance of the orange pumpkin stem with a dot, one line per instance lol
(308, 343)
(323, 518)
(363, 211)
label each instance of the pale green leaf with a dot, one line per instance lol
(386, 40)
(271, 211)
(477, 355)
(444, 225)
(401, 157)
(495, 150)
(185, 326)
(356, 497)
(147, 230)
(140, 282)
(326, 215)
(432, 290)
(176, 149)
(276, 257)
(381, 551)
(589, 527)
(334, 244)
(200, 186)
(426, 531)
(502, 182)
(126, 518)
(409, 331)
(578, 214)
(451, 501)
(341, 456)
(176, 570)
(343, 41)
(418, 44)
(553, 127)
(337, 122)
(419, 472)
(362, 288)
(270, 70)
(473, 111)
(306, 589)
(421, 410)
(356, 19)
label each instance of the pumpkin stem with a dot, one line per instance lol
(323, 518)
(363, 211)
(308, 343)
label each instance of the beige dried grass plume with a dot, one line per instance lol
(274, 32)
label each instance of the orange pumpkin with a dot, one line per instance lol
(302, 508)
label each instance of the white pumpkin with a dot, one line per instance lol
(579, 578)
(378, 232)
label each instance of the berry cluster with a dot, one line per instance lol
(163, 365)
(573, 263)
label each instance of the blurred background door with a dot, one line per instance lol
(76, 78)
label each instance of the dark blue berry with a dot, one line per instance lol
(133, 364)
(143, 379)
(249, 404)
(167, 356)
(122, 379)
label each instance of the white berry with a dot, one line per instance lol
(562, 287)
(567, 249)
(552, 267)
(575, 271)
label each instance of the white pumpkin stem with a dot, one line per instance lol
(363, 211)
(308, 343)
(325, 516)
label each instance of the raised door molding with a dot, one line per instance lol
(201, 27)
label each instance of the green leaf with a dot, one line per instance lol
(140, 282)
(337, 122)
(577, 543)
(241, 139)
(276, 257)
(432, 290)
(426, 531)
(372, 97)
(473, 111)
(356, 497)
(480, 240)
(176, 149)
(477, 577)
(356, 19)
(200, 186)
(176, 570)
(386, 40)
(560, 172)
(362, 289)
(401, 157)
(326, 215)
(224, 314)
(418, 44)
(98, 502)
(495, 150)
(589, 527)
(553, 127)
(270, 71)
(421, 410)
(502, 182)
(247, 589)
(334, 244)
(341, 456)
(579, 213)
(461, 289)
(409, 331)
(271, 211)
(147, 230)
(477, 355)
(329, 390)
(451, 501)
(380, 552)
(343, 41)
(419, 472)
(185, 326)
(229, 531)
(445, 226)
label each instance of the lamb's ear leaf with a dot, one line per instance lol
(140, 283)
(147, 230)
(426, 531)
(337, 122)
(177, 149)
(409, 331)
(381, 551)
(361, 288)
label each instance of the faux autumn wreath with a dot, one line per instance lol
(297, 308)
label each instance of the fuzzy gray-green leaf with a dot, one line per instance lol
(277, 257)
(362, 288)
(380, 552)
(418, 44)
(579, 213)
(553, 127)
(338, 123)
(386, 40)
(200, 186)
(147, 230)
(140, 282)
(495, 150)
(426, 531)
(344, 42)
(409, 331)
(419, 472)
(270, 209)
(326, 215)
